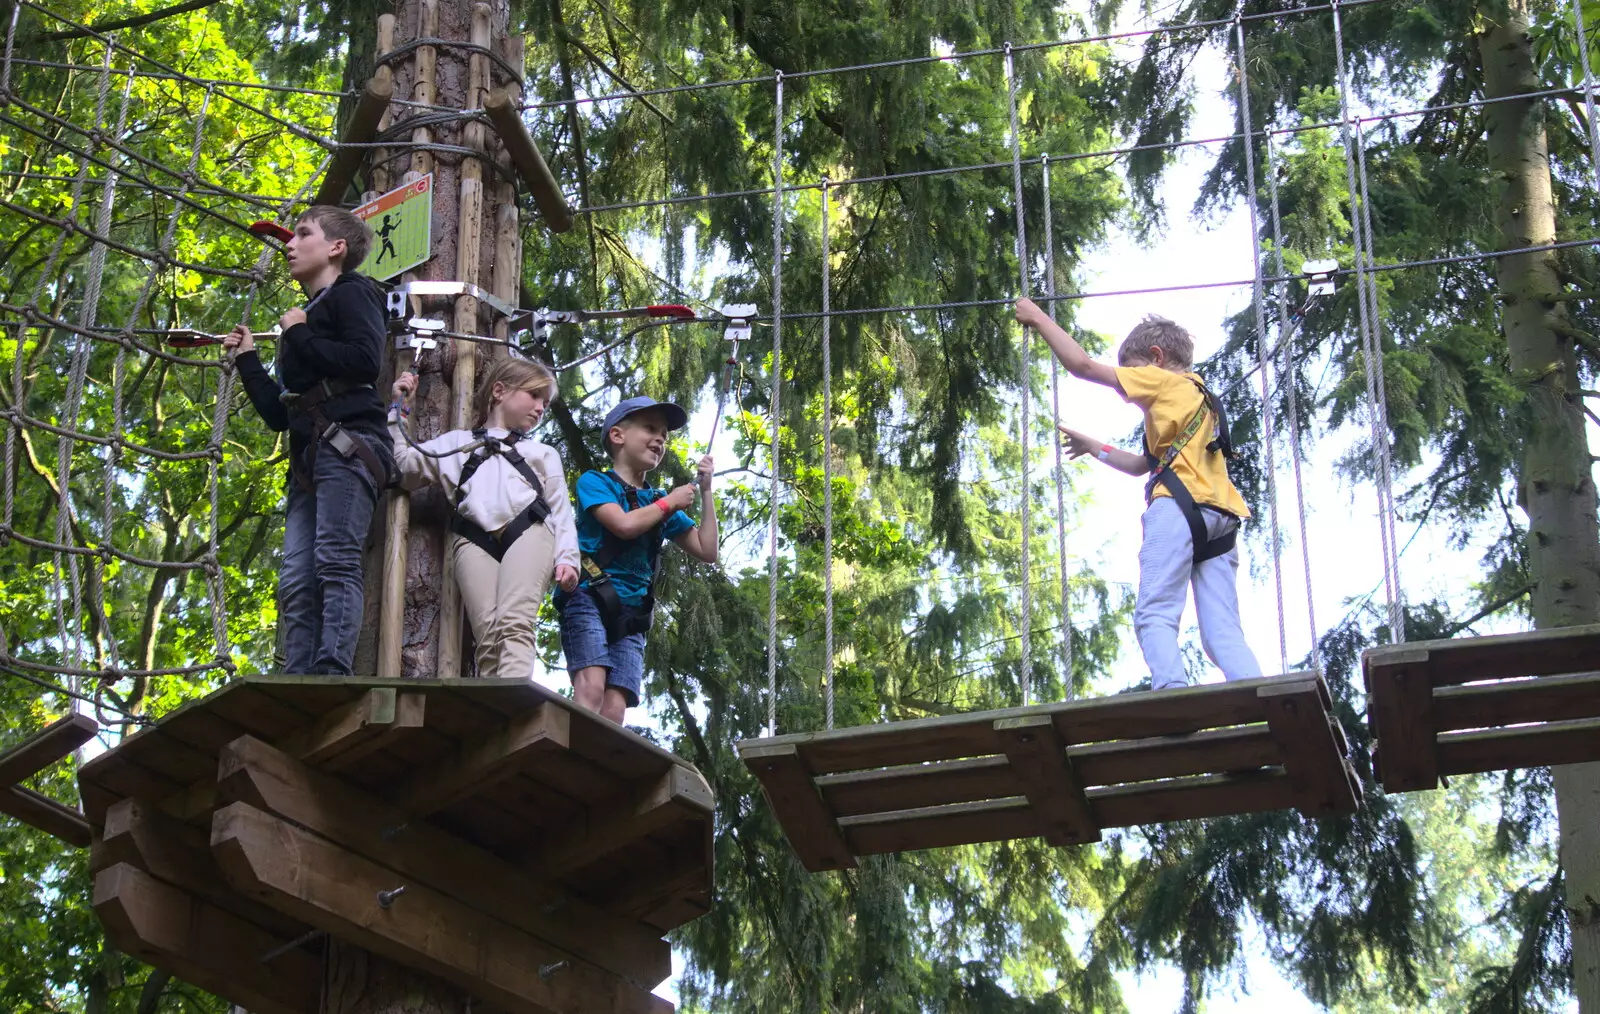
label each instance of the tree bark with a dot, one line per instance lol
(1556, 484)
(359, 982)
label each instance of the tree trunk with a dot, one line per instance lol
(457, 83)
(1556, 484)
(444, 75)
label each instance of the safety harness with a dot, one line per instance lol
(621, 619)
(533, 514)
(309, 403)
(1161, 472)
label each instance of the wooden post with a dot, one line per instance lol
(469, 238)
(417, 609)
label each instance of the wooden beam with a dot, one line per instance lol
(949, 737)
(1514, 702)
(1400, 703)
(251, 771)
(332, 888)
(1531, 653)
(679, 794)
(786, 781)
(199, 943)
(1192, 798)
(1038, 762)
(179, 854)
(378, 718)
(361, 129)
(46, 814)
(1312, 756)
(1116, 806)
(516, 744)
(975, 778)
(1532, 746)
(46, 746)
(541, 182)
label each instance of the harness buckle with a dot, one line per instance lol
(340, 439)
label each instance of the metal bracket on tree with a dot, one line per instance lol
(397, 296)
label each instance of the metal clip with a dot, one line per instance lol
(738, 315)
(1319, 274)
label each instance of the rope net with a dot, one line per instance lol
(130, 531)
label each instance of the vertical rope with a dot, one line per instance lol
(1025, 380)
(1291, 393)
(1397, 614)
(1588, 89)
(1366, 313)
(11, 41)
(1055, 436)
(1263, 356)
(77, 373)
(827, 461)
(777, 390)
(118, 372)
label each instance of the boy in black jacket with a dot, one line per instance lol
(340, 452)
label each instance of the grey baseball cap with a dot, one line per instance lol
(677, 418)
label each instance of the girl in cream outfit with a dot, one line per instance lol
(486, 473)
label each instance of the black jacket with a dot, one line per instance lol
(342, 339)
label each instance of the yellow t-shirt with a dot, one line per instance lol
(1169, 401)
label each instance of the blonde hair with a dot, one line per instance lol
(1159, 333)
(517, 375)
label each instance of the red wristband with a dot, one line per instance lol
(666, 508)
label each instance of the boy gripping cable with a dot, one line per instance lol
(621, 525)
(1192, 512)
(329, 356)
(512, 529)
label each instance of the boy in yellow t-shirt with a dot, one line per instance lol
(1193, 510)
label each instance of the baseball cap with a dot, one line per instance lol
(677, 418)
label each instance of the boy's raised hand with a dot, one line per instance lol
(1029, 314)
(1077, 444)
(239, 340)
(404, 385)
(292, 316)
(704, 473)
(682, 497)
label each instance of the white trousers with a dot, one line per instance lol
(1166, 569)
(502, 599)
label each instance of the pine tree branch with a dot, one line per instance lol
(1488, 610)
(604, 68)
(137, 21)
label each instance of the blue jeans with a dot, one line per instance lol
(583, 640)
(320, 586)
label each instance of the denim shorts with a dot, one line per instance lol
(583, 639)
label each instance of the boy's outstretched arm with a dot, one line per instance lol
(700, 541)
(1076, 361)
(1079, 444)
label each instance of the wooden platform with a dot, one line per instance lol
(484, 831)
(1061, 771)
(1483, 704)
(50, 744)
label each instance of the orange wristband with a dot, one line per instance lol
(666, 508)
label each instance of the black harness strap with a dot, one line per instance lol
(325, 429)
(594, 567)
(533, 514)
(1205, 547)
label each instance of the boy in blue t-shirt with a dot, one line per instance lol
(621, 526)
